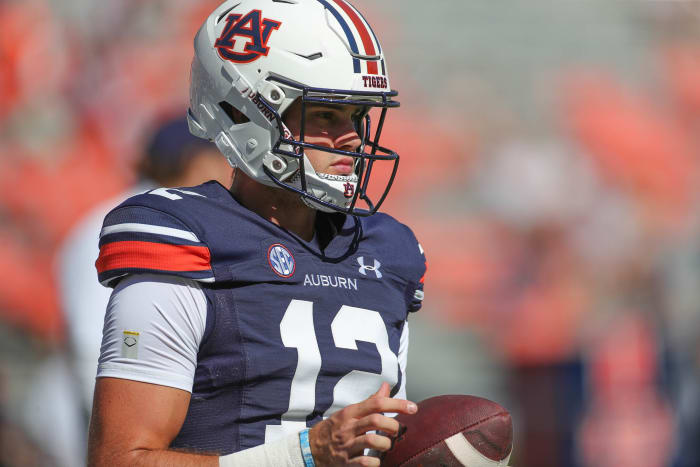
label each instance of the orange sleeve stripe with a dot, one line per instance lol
(148, 255)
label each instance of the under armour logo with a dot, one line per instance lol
(375, 268)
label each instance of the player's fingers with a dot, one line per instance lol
(372, 441)
(377, 422)
(383, 391)
(381, 405)
(365, 461)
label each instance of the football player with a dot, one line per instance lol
(264, 323)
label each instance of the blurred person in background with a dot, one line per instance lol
(17, 448)
(537, 306)
(626, 409)
(63, 389)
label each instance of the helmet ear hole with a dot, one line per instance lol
(233, 113)
(272, 93)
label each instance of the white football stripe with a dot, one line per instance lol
(152, 229)
(468, 455)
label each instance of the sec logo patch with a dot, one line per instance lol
(281, 260)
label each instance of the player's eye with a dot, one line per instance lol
(324, 115)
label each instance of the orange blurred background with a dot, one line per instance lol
(550, 153)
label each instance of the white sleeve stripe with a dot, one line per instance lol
(147, 228)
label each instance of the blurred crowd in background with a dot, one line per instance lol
(550, 155)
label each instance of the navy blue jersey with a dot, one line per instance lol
(295, 330)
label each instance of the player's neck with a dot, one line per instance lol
(280, 207)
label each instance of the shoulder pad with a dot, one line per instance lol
(407, 255)
(149, 233)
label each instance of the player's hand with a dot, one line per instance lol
(340, 440)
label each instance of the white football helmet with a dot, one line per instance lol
(259, 56)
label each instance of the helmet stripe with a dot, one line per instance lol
(348, 33)
(376, 41)
(364, 34)
(367, 26)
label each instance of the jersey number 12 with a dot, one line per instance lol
(350, 325)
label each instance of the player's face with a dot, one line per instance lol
(329, 126)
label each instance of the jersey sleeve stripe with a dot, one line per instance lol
(152, 256)
(148, 228)
(145, 237)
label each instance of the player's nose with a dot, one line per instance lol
(348, 140)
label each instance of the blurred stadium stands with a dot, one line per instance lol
(550, 154)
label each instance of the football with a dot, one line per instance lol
(453, 431)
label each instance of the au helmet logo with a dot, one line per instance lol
(349, 190)
(244, 38)
(374, 268)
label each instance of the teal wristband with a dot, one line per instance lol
(306, 448)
